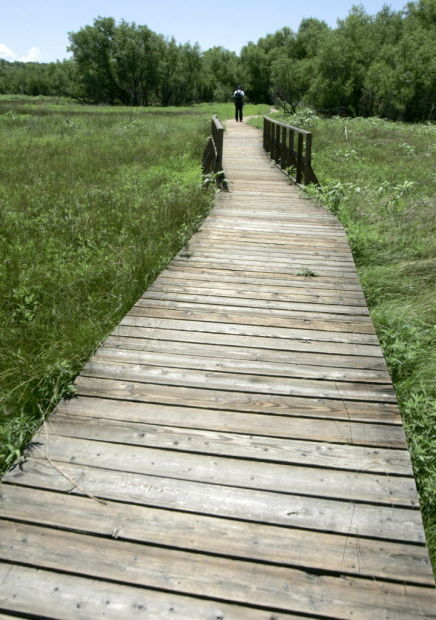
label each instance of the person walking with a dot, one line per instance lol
(238, 98)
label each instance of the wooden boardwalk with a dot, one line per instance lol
(235, 450)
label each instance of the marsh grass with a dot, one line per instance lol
(379, 178)
(94, 202)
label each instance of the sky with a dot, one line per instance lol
(38, 31)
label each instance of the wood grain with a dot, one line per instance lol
(223, 579)
(229, 538)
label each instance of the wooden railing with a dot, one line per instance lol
(290, 148)
(212, 160)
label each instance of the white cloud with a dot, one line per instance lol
(6, 53)
(33, 55)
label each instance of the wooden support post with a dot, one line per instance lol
(269, 129)
(308, 160)
(283, 153)
(218, 137)
(292, 161)
(300, 158)
(265, 134)
(273, 141)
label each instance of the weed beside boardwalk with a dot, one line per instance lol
(379, 178)
(94, 201)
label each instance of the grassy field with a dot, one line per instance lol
(379, 178)
(94, 201)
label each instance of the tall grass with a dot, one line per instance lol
(94, 202)
(379, 178)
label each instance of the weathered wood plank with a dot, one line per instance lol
(222, 315)
(353, 458)
(223, 579)
(313, 309)
(198, 279)
(198, 361)
(240, 472)
(243, 293)
(264, 236)
(247, 354)
(69, 597)
(303, 333)
(350, 323)
(333, 236)
(255, 342)
(284, 269)
(310, 513)
(265, 252)
(354, 433)
(239, 401)
(237, 539)
(216, 272)
(239, 382)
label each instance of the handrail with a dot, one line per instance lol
(212, 160)
(279, 142)
(218, 138)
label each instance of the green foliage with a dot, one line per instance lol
(401, 80)
(221, 73)
(306, 272)
(43, 79)
(93, 203)
(257, 69)
(382, 65)
(117, 63)
(289, 81)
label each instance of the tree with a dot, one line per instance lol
(180, 69)
(221, 71)
(310, 37)
(289, 81)
(341, 64)
(401, 82)
(137, 54)
(257, 72)
(93, 52)
(118, 64)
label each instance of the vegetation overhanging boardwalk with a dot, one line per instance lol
(235, 450)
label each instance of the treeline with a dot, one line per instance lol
(368, 65)
(58, 79)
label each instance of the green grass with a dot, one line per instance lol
(94, 201)
(379, 178)
(21, 104)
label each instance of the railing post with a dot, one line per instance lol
(273, 140)
(308, 160)
(277, 141)
(300, 158)
(283, 154)
(265, 130)
(218, 137)
(292, 146)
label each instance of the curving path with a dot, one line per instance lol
(235, 450)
